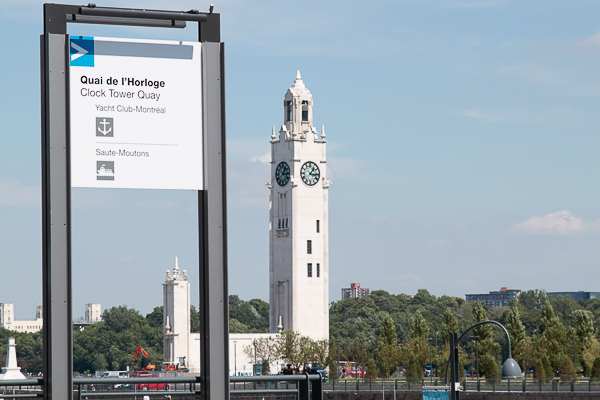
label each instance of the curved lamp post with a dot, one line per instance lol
(510, 368)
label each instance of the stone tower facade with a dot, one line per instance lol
(176, 316)
(299, 221)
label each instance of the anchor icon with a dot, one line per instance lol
(104, 131)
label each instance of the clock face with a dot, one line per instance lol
(310, 173)
(282, 174)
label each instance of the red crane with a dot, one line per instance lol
(146, 362)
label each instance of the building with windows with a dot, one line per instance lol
(355, 291)
(580, 295)
(299, 220)
(93, 313)
(499, 298)
(8, 321)
(298, 247)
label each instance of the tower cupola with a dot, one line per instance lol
(298, 112)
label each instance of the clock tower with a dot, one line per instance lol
(299, 221)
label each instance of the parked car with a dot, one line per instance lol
(149, 385)
(316, 368)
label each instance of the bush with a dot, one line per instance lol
(567, 369)
(548, 373)
(596, 368)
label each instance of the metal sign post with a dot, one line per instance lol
(58, 128)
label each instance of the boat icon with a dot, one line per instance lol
(105, 172)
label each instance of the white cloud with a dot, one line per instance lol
(558, 223)
(480, 115)
(590, 45)
(458, 228)
(437, 244)
(265, 158)
(13, 194)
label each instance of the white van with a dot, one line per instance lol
(115, 374)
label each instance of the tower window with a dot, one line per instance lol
(309, 270)
(318, 227)
(288, 111)
(309, 247)
(304, 110)
(286, 223)
(318, 270)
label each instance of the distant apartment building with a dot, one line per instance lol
(499, 298)
(93, 313)
(355, 291)
(580, 295)
(8, 321)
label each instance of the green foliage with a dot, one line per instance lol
(538, 371)
(105, 345)
(371, 369)
(29, 349)
(414, 369)
(480, 314)
(596, 368)
(248, 316)
(418, 327)
(567, 370)
(387, 349)
(515, 329)
(450, 324)
(488, 366)
(548, 372)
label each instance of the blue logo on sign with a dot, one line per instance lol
(82, 51)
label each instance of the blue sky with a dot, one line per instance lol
(462, 147)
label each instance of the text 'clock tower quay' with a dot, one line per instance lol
(299, 221)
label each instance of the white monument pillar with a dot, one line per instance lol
(11, 371)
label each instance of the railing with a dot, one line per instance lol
(301, 387)
(475, 385)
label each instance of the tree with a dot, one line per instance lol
(567, 370)
(548, 372)
(539, 371)
(488, 349)
(450, 324)
(263, 349)
(418, 326)
(515, 329)
(554, 336)
(387, 349)
(588, 345)
(596, 368)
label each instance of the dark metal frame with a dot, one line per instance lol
(56, 193)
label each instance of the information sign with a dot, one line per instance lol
(135, 113)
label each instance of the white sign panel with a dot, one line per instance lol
(136, 113)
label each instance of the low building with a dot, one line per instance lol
(580, 295)
(355, 291)
(8, 321)
(499, 298)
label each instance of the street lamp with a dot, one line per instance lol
(510, 368)
(127, 349)
(235, 357)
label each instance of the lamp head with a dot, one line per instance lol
(511, 370)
